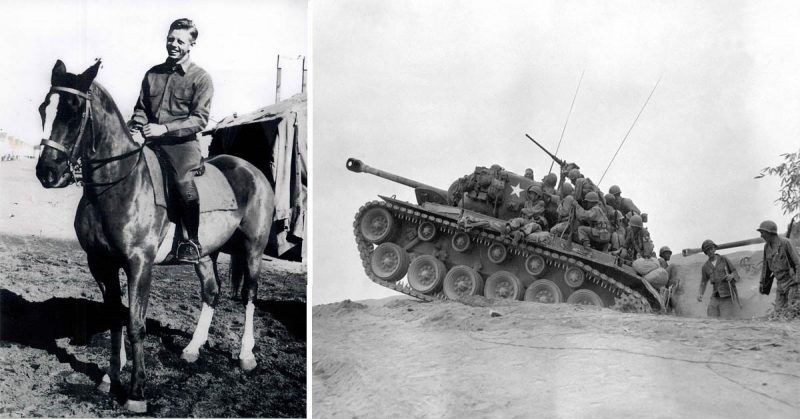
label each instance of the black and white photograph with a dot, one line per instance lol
(555, 209)
(153, 208)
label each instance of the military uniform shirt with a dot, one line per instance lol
(595, 216)
(780, 261)
(177, 96)
(716, 272)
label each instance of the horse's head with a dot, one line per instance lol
(65, 112)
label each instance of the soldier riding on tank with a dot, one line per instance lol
(624, 205)
(637, 240)
(594, 231)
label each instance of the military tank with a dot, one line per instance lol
(454, 243)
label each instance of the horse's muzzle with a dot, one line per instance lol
(52, 174)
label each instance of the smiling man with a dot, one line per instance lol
(173, 107)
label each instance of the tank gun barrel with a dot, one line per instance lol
(730, 245)
(356, 165)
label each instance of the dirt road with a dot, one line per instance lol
(403, 358)
(53, 350)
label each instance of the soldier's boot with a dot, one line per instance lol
(189, 251)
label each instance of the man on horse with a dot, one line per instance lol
(173, 106)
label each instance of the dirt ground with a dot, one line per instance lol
(53, 349)
(399, 357)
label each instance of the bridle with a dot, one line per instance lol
(75, 161)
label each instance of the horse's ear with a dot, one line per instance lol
(87, 77)
(58, 71)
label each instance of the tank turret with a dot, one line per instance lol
(465, 241)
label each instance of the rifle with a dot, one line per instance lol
(732, 286)
(560, 162)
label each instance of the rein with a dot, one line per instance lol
(75, 161)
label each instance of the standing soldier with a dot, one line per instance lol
(173, 107)
(723, 276)
(780, 262)
(664, 255)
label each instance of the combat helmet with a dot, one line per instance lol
(535, 189)
(636, 221)
(614, 189)
(768, 226)
(591, 197)
(567, 189)
(574, 174)
(707, 244)
(610, 199)
(664, 249)
(550, 180)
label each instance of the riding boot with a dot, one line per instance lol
(190, 251)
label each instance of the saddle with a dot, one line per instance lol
(213, 189)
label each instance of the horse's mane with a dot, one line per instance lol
(111, 106)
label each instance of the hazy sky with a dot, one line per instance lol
(429, 90)
(238, 44)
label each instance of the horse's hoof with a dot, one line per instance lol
(247, 364)
(190, 357)
(136, 406)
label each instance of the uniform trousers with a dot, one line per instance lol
(721, 307)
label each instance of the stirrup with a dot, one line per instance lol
(188, 252)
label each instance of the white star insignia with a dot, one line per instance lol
(516, 190)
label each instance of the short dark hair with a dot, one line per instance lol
(184, 23)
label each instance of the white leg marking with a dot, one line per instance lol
(246, 358)
(123, 357)
(192, 350)
(105, 385)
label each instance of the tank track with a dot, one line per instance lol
(365, 248)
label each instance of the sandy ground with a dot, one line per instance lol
(399, 357)
(53, 349)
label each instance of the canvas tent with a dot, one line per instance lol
(274, 139)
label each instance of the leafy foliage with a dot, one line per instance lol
(788, 313)
(789, 172)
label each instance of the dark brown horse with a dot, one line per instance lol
(119, 225)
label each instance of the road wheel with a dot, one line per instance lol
(426, 231)
(461, 242)
(497, 253)
(426, 274)
(585, 297)
(503, 285)
(389, 262)
(574, 277)
(535, 265)
(462, 281)
(377, 225)
(543, 291)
